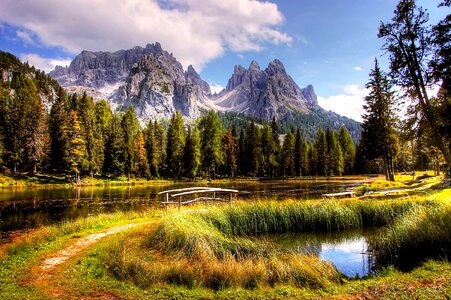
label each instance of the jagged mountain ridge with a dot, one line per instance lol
(156, 85)
(150, 79)
(265, 93)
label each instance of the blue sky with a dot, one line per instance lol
(328, 43)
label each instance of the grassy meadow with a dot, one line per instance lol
(220, 252)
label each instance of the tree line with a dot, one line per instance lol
(419, 58)
(80, 136)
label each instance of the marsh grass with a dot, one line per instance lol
(422, 233)
(220, 247)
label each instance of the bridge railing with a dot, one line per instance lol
(175, 197)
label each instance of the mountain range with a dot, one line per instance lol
(152, 81)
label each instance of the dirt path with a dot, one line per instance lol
(63, 255)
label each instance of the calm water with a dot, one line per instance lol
(347, 250)
(24, 209)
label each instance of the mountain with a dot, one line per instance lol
(269, 93)
(150, 79)
(156, 85)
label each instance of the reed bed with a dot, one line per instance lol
(422, 233)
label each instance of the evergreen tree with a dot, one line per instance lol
(141, 165)
(268, 151)
(335, 154)
(277, 148)
(57, 123)
(91, 134)
(252, 150)
(160, 146)
(409, 42)
(115, 149)
(103, 117)
(151, 149)
(131, 128)
(321, 157)
(379, 137)
(241, 159)
(348, 148)
(75, 152)
(175, 146)
(312, 159)
(211, 142)
(230, 153)
(288, 154)
(298, 153)
(192, 153)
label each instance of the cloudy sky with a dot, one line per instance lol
(328, 43)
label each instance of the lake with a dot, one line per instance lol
(29, 208)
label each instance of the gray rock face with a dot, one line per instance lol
(155, 84)
(150, 79)
(264, 93)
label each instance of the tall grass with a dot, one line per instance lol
(421, 234)
(222, 232)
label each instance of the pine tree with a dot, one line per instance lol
(298, 149)
(57, 123)
(192, 153)
(410, 43)
(335, 155)
(151, 149)
(230, 153)
(211, 132)
(115, 149)
(91, 134)
(241, 159)
(321, 157)
(141, 165)
(348, 148)
(288, 162)
(277, 148)
(131, 128)
(160, 145)
(252, 150)
(379, 137)
(76, 151)
(103, 117)
(175, 146)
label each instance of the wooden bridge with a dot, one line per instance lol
(195, 191)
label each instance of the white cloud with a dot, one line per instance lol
(216, 88)
(358, 69)
(44, 64)
(349, 103)
(196, 31)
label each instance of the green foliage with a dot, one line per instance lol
(321, 157)
(335, 154)
(115, 148)
(76, 151)
(192, 153)
(131, 129)
(211, 132)
(230, 149)
(348, 149)
(288, 148)
(379, 138)
(175, 146)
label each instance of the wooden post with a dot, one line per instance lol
(180, 201)
(230, 198)
(167, 200)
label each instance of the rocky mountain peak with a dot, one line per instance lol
(310, 95)
(254, 66)
(276, 67)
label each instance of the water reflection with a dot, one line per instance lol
(347, 250)
(30, 208)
